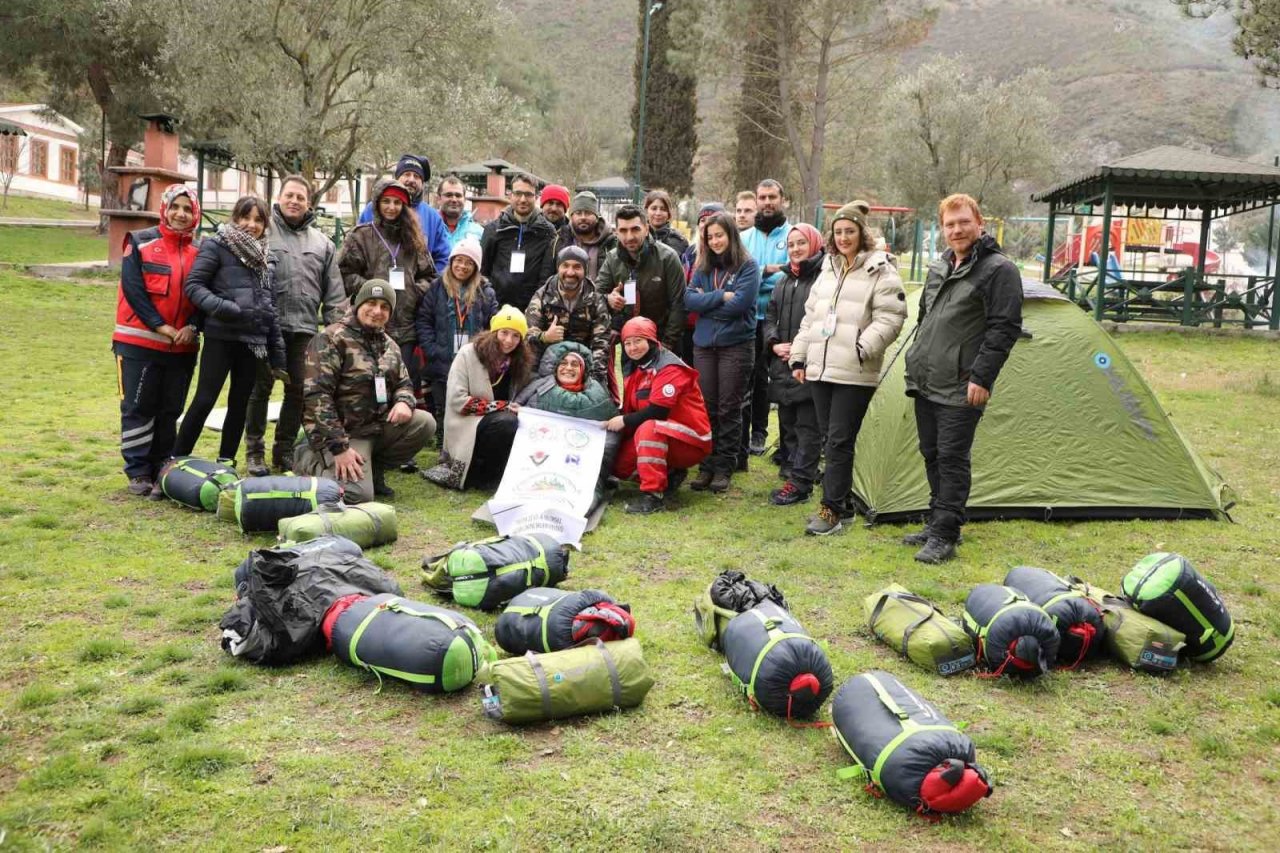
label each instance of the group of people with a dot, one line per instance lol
(430, 320)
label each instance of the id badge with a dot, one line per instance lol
(517, 262)
(460, 340)
(380, 389)
(629, 292)
(397, 278)
(829, 324)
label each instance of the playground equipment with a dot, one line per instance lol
(1150, 271)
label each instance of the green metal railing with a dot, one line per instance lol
(1187, 298)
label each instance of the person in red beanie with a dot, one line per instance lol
(554, 202)
(664, 425)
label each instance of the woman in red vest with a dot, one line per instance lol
(664, 425)
(155, 339)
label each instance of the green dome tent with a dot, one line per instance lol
(1072, 431)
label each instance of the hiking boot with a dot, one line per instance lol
(788, 494)
(779, 458)
(703, 481)
(282, 459)
(255, 463)
(921, 537)
(646, 503)
(719, 483)
(742, 464)
(380, 487)
(140, 486)
(157, 493)
(825, 523)
(757, 444)
(409, 467)
(936, 551)
(673, 482)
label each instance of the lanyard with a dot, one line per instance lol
(390, 251)
(461, 313)
(520, 238)
(719, 282)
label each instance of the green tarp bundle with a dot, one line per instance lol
(1072, 431)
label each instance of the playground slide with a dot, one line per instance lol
(1212, 260)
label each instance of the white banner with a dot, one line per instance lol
(551, 475)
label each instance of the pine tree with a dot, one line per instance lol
(671, 108)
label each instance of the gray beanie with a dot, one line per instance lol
(573, 253)
(375, 288)
(585, 200)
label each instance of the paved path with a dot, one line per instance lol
(48, 223)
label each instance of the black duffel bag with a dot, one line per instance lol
(337, 543)
(548, 620)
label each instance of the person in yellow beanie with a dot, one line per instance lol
(480, 424)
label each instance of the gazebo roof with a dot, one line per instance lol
(484, 167)
(1173, 177)
(614, 187)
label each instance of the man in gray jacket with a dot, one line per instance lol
(970, 317)
(308, 287)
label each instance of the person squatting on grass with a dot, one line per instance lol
(480, 427)
(723, 293)
(855, 310)
(359, 408)
(231, 284)
(155, 341)
(308, 284)
(970, 317)
(799, 442)
(664, 423)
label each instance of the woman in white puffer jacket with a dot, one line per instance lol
(855, 310)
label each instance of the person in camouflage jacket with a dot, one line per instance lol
(567, 308)
(359, 410)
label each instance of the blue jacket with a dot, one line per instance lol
(724, 323)
(467, 227)
(437, 324)
(767, 249)
(433, 231)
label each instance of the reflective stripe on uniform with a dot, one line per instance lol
(130, 433)
(145, 334)
(137, 442)
(657, 445)
(651, 460)
(684, 430)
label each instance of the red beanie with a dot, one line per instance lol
(396, 191)
(555, 192)
(640, 327)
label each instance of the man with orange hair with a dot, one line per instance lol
(970, 317)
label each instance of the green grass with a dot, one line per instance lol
(22, 244)
(24, 207)
(123, 725)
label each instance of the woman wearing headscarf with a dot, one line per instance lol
(664, 425)
(231, 283)
(723, 292)
(155, 339)
(797, 420)
(855, 310)
(480, 425)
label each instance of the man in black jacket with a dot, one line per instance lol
(970, 317)
(518, 248)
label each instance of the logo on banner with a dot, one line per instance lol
(548, 483)
(575, 437)
(539, 457)
(572, 459)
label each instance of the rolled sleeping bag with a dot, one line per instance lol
(1168, 588)
(262, 501)
(1081, 628)
(368, 524)
(918, 630)
(731, 593)
(196, 483)
(904, 746)
(488, 573)
(594, 677)
(775, 663)
(434, 649)
(339, 544)
(548, 620)
(1014, 637)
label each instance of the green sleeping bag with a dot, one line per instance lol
(367, 524)
(915, 628)
(583, 680)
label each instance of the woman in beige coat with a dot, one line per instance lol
(484, 379)
(855, 310)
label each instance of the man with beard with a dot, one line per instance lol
(554, 203)
(414, 172)
(567, 308)
(642, 277)
(766, 241)
(458, 223)
(590, 233)
(308, 285)
(518, 248)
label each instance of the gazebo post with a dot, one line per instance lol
(1206, 225)
(1104, 250)
(200, 179)
(1048, 245)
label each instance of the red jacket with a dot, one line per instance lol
(671, 383)
(152, 274)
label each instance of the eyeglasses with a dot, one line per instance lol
(522, 194)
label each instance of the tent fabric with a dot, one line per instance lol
(1073, 431)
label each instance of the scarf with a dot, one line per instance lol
(582, 372)
(253, 254)
(813, 238)
(766, 224)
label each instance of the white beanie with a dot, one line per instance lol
(468, 247)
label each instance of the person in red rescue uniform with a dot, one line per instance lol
(155, 341)
(664, 419)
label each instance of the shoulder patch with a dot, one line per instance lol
(668, 390)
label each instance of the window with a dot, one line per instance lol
(67, 157)
(39, 161)
(250, 184)
(215, 180)
(332, 196)
(8, 154)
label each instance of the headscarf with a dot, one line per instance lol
(582, 374)
(813, 237)
(166, 198)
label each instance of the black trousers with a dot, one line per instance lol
(755, 402)
(798, 426)
(255, 428)
(152, 394)
(495, 434)
(218, 360)
(840, 410)
(946, 438)
(723, 373)
(414, 365)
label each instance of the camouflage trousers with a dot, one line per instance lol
(397, 444)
